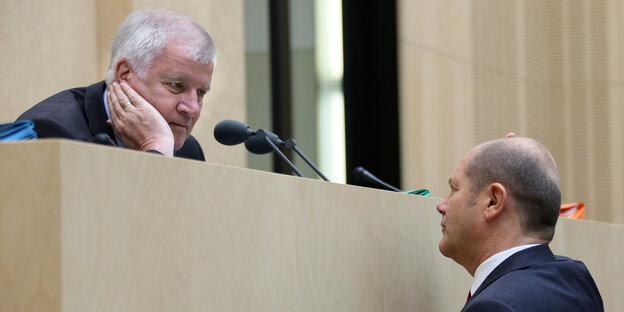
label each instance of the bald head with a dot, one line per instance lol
(528, 172)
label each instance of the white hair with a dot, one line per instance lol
(143, 36)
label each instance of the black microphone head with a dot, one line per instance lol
(360, 173)
(231, 132)
(363, 175)
(258, 145)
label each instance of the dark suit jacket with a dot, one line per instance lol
(536, 280)
(79, 114)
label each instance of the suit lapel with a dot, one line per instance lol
(518, 261)
(94, 108)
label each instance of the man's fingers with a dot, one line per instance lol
(132, 95)
(139, 125)
(124, 101)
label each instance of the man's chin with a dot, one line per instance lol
(179, 142)
(442, 246)
(180, 135)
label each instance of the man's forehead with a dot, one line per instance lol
(459, 172)
(175, 74)
(454, 176)
(179, 56)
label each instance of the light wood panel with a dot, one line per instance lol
(143, 232)
(47, 46)
(112, 229)
(435, 117)
(110, 15)
(30, 243)
(615, 27)
(599, 246)
(436, 94)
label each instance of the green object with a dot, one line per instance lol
(420, 192)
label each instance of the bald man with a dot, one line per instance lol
(497, 223)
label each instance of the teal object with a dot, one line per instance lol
(420, 192)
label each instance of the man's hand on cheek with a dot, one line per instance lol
(137, 125)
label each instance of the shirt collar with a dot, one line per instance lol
(109, 116)
(491, 263)
(106, 103)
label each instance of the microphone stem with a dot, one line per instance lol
(364, 175)
(283, 157)
(389, 186)
(296, 149)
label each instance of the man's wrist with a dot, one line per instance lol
(164, 147)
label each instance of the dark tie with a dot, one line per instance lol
(469, 295)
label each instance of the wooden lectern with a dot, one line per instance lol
(85, 227)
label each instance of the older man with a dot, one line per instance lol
(497, 223)
(160, 69)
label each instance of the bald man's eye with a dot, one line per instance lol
(453, 189)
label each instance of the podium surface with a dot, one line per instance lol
(92, 228)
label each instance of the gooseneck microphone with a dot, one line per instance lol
(291, 144)
(258, 145)
(232, 132)
(263, 135)
(363, 174)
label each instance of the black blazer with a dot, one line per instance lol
(536, 280)
(79, 114)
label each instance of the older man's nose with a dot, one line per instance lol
(190, 107)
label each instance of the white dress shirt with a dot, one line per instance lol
(491, 263)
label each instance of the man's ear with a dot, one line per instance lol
(496, 194)
(122, 70)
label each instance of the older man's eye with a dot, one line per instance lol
(175, 85)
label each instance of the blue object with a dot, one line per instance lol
(18, 130)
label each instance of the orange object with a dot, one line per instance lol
(572, 211)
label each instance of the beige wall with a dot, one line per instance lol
(471, 71)
(51, 46)
(47, 46)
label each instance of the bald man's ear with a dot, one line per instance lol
(122, 70)
(497, 196)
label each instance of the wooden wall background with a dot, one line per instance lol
(471, 71)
